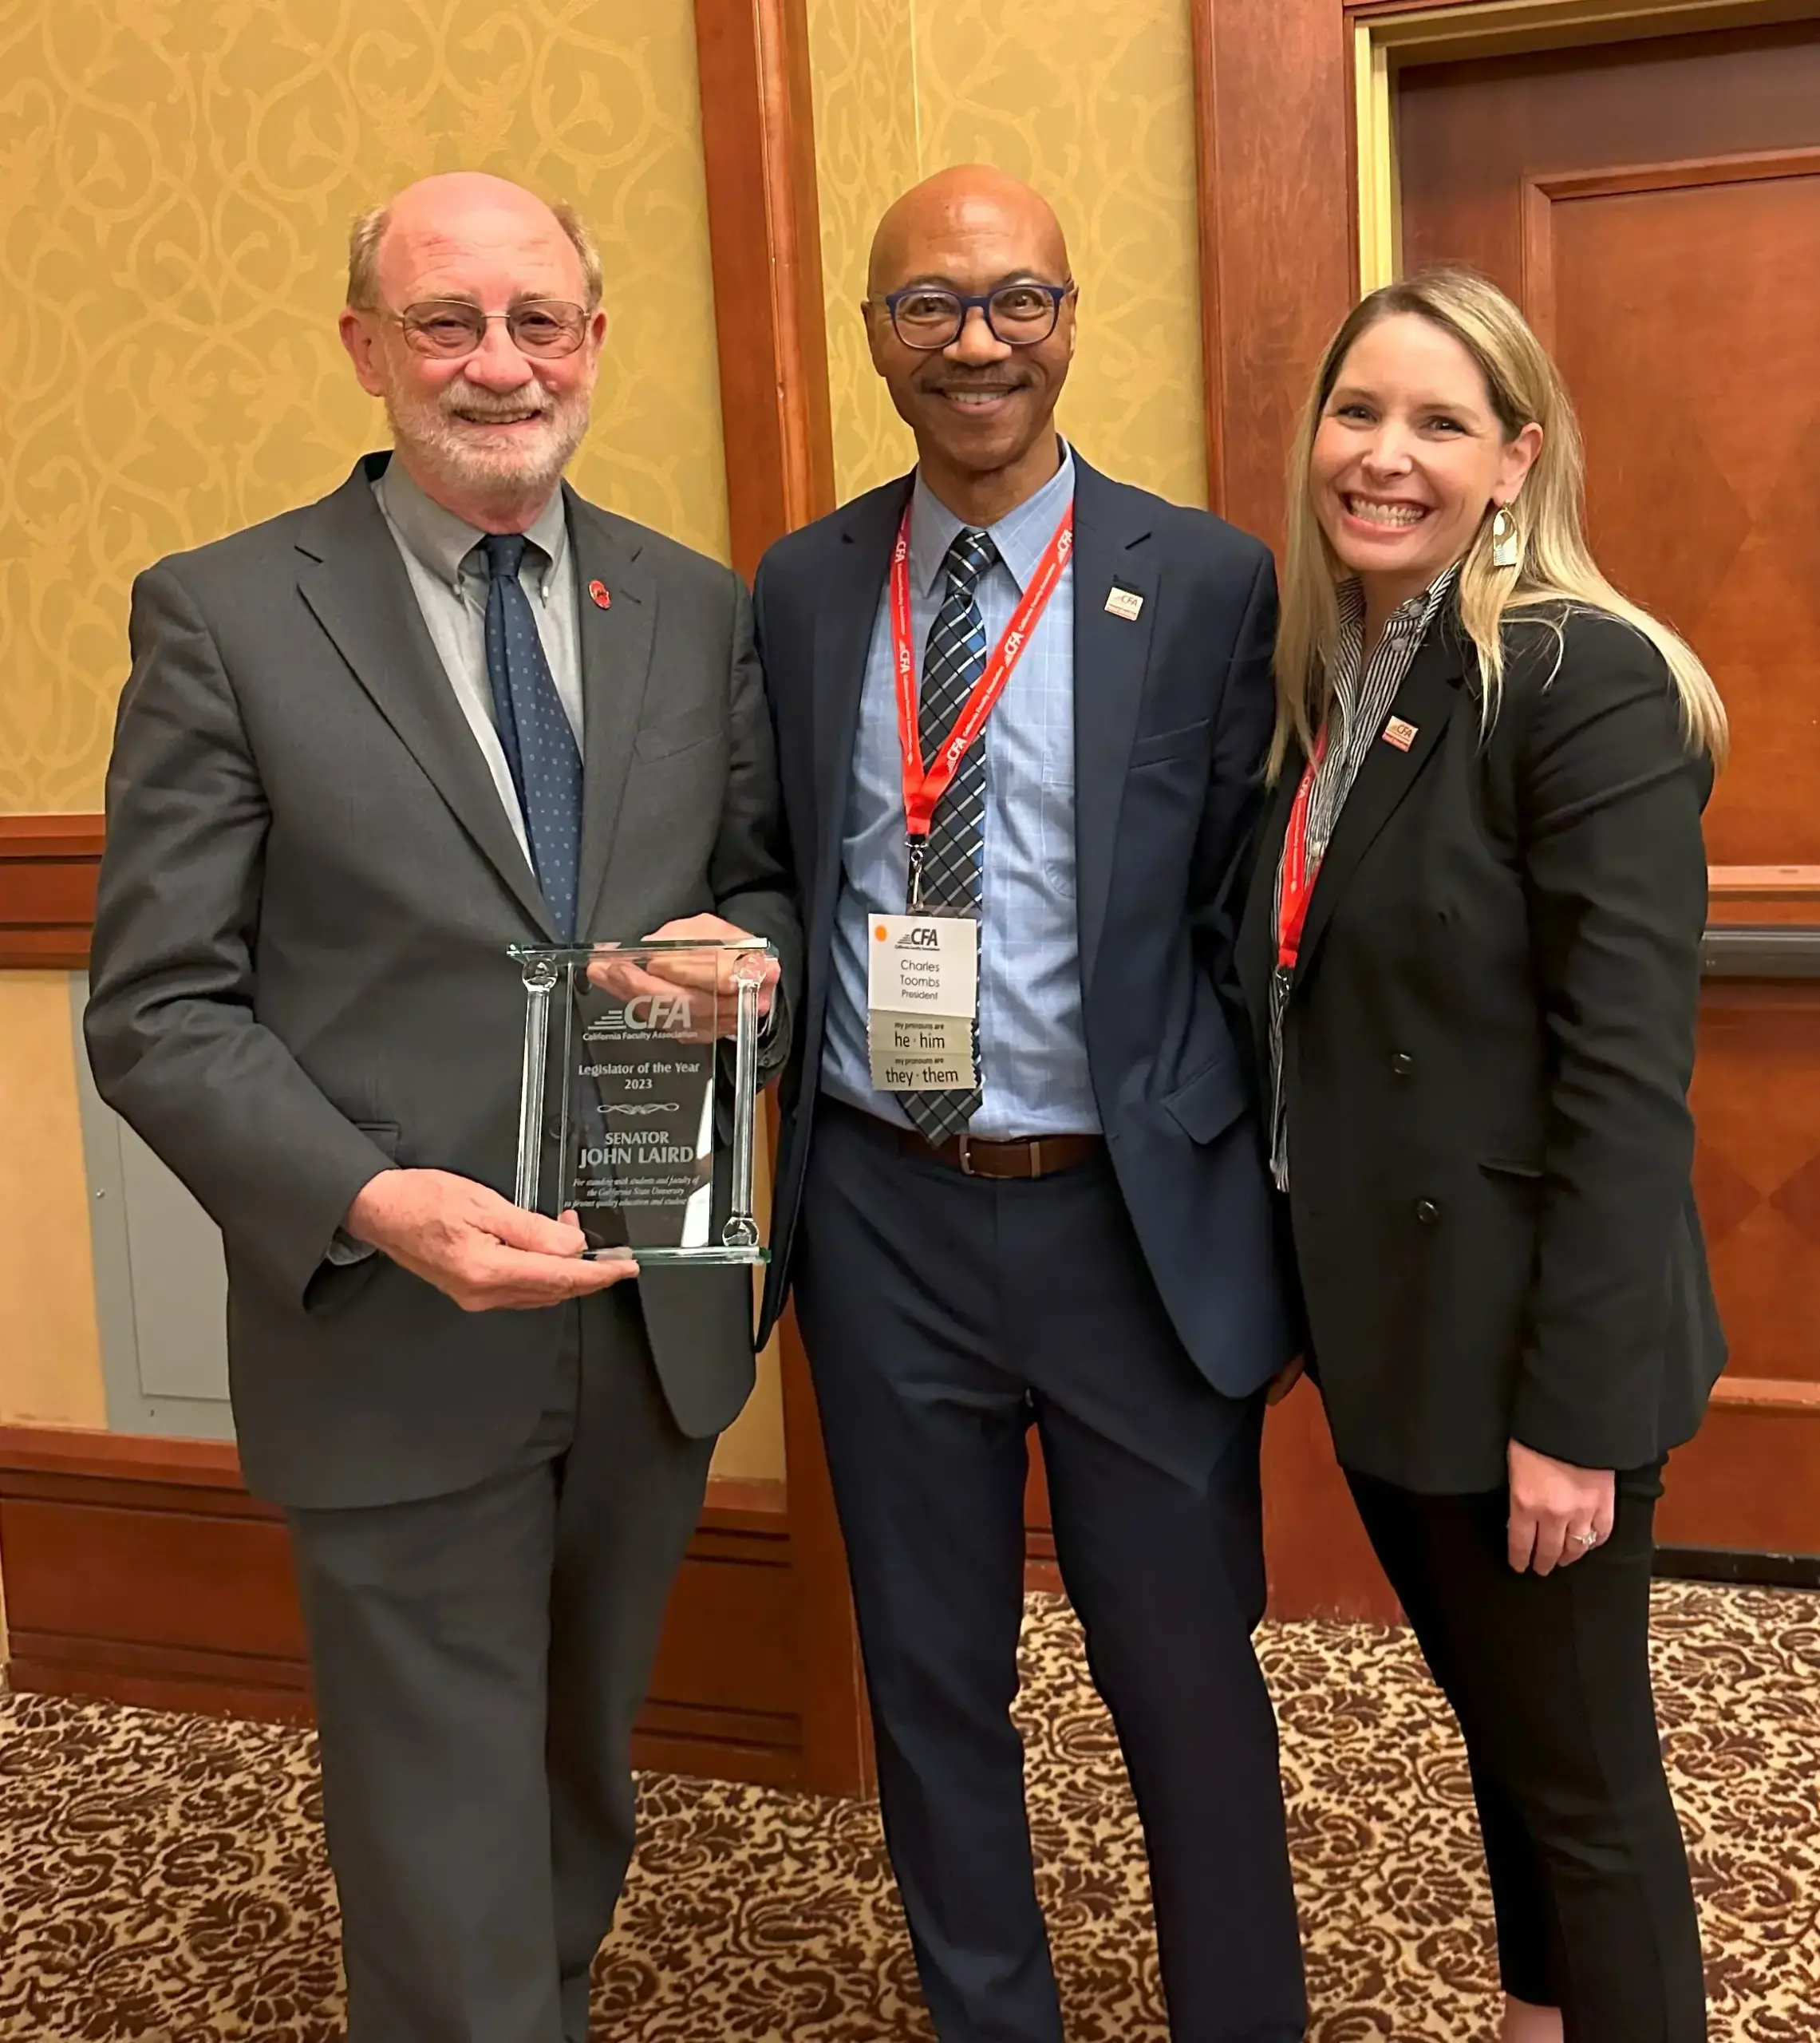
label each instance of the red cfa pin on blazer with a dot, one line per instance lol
(603, 600)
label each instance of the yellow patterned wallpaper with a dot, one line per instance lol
(1090, 101)
(175, 181)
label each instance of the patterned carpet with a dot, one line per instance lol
(161, 1879)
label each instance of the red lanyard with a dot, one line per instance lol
(924, 786)
(1295, 885)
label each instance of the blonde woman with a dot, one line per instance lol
(1470, 950)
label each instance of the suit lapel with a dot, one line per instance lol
(844, 621)
(355, 584)
(1112, 654)
(1428, 696)
(616, 645)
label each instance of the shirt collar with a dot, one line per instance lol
(1022, 535)
(444, 542)
(1411, 618)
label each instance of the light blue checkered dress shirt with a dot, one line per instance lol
(1032, 1047)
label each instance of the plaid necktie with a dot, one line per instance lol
(534, 733)
(952, 664)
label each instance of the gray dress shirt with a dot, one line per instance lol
(1032, 1043)
(448, 576)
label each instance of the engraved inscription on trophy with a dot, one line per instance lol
(630, 1114)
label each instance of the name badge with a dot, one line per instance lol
(923, 995)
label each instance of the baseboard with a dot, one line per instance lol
(141, 1571)
(1722, 1564)
(49, 865)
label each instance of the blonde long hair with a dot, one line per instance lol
(1553, 566)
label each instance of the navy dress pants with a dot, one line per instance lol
(943, 1315)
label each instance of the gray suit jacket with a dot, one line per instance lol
(299, 969)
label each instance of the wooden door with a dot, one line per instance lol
(1655, 208)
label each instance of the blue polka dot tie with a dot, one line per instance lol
(539, 744)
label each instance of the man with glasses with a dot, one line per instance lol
(363, 749)
(1021, 712)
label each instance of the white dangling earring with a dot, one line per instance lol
(1507, 550)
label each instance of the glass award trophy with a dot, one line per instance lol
(623, 1115)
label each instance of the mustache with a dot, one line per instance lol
(1000, 376)
(467, 400)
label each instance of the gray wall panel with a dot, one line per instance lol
(160, 1284)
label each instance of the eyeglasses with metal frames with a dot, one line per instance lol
(928, 317)
(450, 327)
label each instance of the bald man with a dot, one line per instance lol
(364, 748)
(1020, 710)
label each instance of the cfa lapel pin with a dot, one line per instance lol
(1398, 733)
(1125, 603)
(603, 600)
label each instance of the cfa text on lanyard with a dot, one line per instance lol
(924, 786)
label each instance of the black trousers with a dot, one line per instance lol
(478, 1660)
(1549, 1676)
(943, 1316)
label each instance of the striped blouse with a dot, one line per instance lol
(1363, 693)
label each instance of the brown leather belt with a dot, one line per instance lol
(1030, 1156)
(1033, 1156)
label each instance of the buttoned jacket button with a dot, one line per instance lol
(1426, 1211)
(1403, 1064)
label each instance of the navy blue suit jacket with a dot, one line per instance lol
(1172, 713)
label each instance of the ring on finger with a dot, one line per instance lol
(1586, 1538)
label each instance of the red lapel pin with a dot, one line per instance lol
(603, 600)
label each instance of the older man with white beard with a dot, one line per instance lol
(363, 749)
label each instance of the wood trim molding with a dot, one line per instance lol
(1209, 182)
(764, 225)
(1271, 117)
(1787, 1398)
(49, 865)
(1749, 167)
(764, 234)
(1431, 30)
(141, 1571)
(1541, 195)
(839, 1757)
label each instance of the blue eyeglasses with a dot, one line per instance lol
(928, 317)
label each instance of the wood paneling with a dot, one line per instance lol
(1320, 1563)
(1655, 207)
(1041, 1570)
(1745, 1482)
(758, 141)
(1751, 1480)
(758, 146)
(1272, 102)
(47, 869)
(837, 1726)
(141, 1571)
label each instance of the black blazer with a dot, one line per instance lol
(1486, 1055)
(1172, 712)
